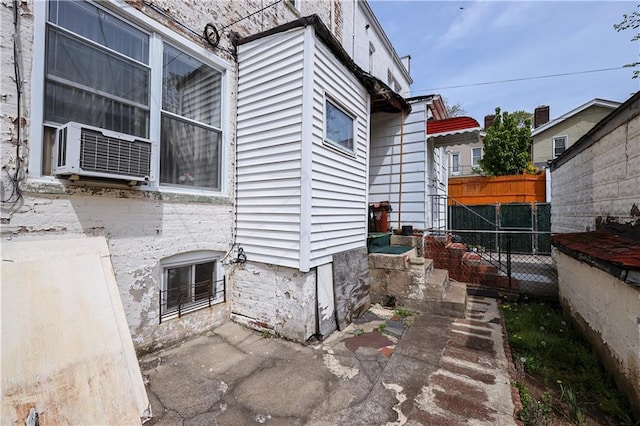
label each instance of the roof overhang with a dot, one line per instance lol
(383, 98)
(593, 102)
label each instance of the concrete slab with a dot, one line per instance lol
(235, 376)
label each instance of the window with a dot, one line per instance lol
(190, 282)
(559, 145)
(476, 155)
(455, 163)
(98, 71)
(338, 127)
(393, 83)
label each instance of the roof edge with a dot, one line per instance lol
(563, 117)
(374, 85)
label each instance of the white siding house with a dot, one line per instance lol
(302, 193)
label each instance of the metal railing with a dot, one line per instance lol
(488, 254)
(179, 300)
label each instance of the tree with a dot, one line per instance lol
(506, 145)
(454, 110)
(631, 22)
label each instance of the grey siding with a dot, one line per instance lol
(270, 92)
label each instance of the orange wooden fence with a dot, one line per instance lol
(476, 190)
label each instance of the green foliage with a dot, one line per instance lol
(534, 412)
(506, 145)
(575, 412)
(381, 327)
(402, 313)
(545, 344)
(631, 22)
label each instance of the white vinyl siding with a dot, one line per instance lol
(384, 167)
(269, 148)
(299, 200)
(339, 189)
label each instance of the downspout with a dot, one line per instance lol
(400, 181)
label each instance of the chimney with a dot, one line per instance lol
(540, 116)
(488, 120)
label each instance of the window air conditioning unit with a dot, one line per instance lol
(86, 151)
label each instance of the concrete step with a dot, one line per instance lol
(429, 265)
(436, 284)
(454, 300)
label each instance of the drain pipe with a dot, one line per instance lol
(400, 180)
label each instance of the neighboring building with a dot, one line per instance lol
(461, 138)
(595, 216)
(276, 151)
(552, 138)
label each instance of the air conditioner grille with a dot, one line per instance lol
(100, 153)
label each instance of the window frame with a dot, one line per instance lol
(565, 138)
(158, 34)
(455, 171)
(334, 144)
(190, 259)
(474, 160)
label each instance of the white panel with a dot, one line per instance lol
(326, 304)
(269, 129)
(339, 204)
(384, 165)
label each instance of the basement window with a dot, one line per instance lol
(338, 127)
(190, 281)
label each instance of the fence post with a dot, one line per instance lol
(509, 258)
(534, 226)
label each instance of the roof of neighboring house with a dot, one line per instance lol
(621, 113)
(452, 126)
(593, 102)
(383, 98)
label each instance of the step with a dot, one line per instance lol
(454, 301)
(437, 282)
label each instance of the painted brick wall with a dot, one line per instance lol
(275, 298)
(602, 181)
(141, 227)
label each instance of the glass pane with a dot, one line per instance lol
(190, 88)
(339, 127)
(204, 285)
(189, 154)
(64, 104)
(87, 65)
(178, 285)
(101, 27)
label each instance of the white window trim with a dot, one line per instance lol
(553, 144)
(330, 143)
(190, 259)
(455, 172)
(481, 154)
(157, 35)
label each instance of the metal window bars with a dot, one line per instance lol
(186, 298)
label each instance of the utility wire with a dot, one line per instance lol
(485, 83)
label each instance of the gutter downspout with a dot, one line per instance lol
(400, 180)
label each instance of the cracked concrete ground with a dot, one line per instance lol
(441, 371)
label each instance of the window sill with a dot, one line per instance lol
(48, 185)
(339, 150)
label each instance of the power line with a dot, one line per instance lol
(485, 83)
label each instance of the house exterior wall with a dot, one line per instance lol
(269, 162)
(601, 181)
(464, 148)
(573, 127)
(338, 181)
(141, 226)
(278, 299)
(607, 310)
(384, 166)
(365, 30)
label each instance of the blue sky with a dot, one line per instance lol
(455, 43)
